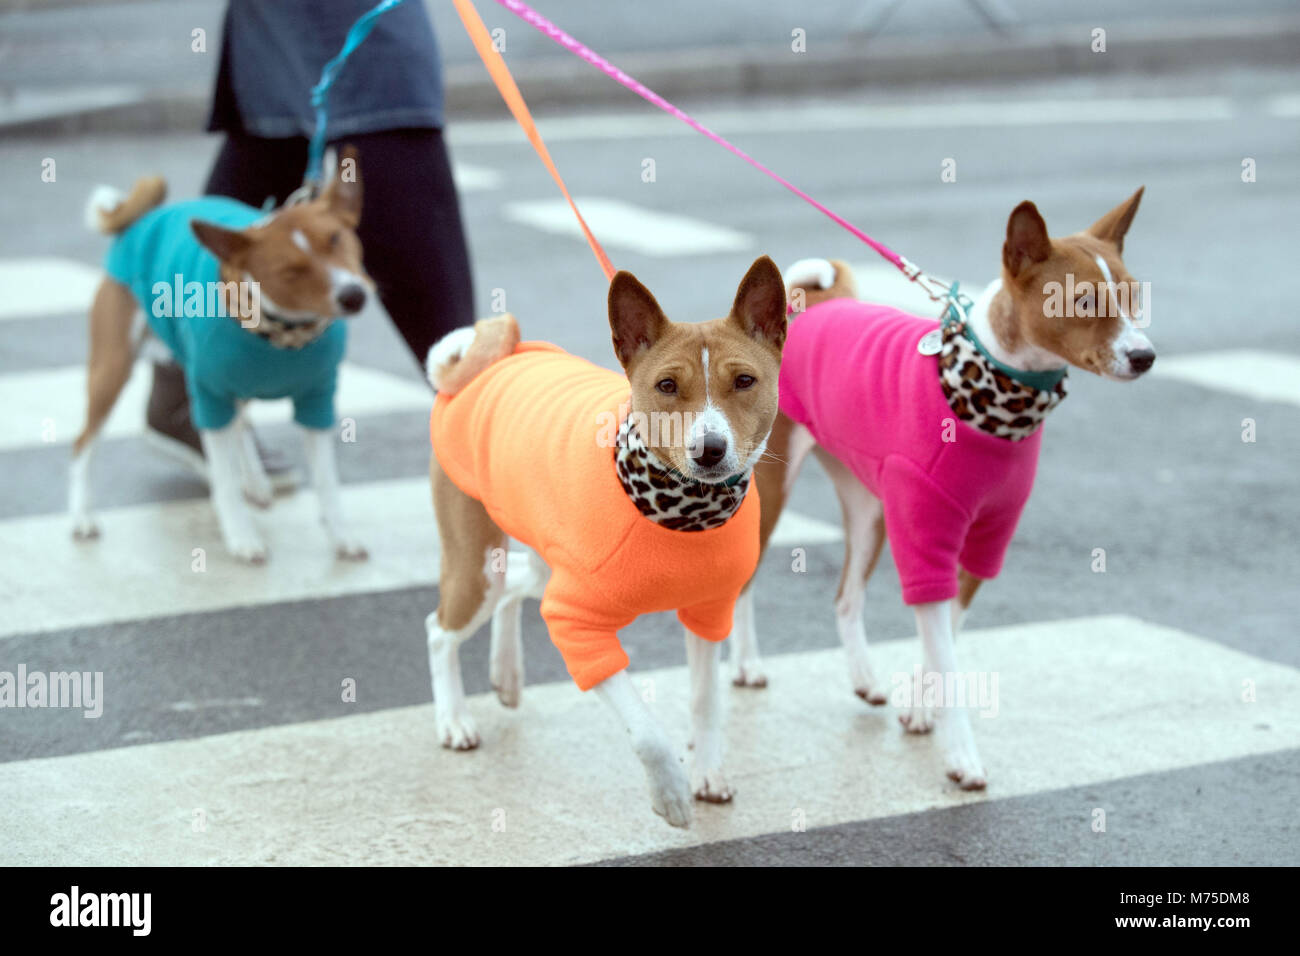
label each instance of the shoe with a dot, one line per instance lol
(169, 430)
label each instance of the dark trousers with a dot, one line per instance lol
(411, 232)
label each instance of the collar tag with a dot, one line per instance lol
(931, 343)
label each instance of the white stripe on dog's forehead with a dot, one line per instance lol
(1105, 269)
(300, 241)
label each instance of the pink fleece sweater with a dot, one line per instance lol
(852, 374)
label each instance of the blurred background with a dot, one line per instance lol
(1139, 710)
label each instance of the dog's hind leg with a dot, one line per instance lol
(864, 538)
(252, 473)
(471, 585)
(113, 348)
(787, 447)
(526, 577)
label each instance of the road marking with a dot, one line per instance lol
(49, 582)
(782, 120)
(45, 285)
(1081, 702)
(621, 225)
(1285, 106)
(51, 403)
(1262, 376)
(474, 178)
(797, 530)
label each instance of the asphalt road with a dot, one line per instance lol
(1199, 527)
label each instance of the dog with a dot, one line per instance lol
(931, 435)
(246, 302)
(632, 493)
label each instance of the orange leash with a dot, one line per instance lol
(505, 84)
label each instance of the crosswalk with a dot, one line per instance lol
(554, 781)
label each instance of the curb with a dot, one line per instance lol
(552, 82)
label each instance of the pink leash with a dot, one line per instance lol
(935, 289)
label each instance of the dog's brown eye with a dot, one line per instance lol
(744, 381)
(334, 239)
(667, 386)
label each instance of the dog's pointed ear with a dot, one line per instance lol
(343, 194)
(228, 245)
(1113, 226)
(760, 303)
(1027, 242)
(635, 318)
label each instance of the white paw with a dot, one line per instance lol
(456, 731)
(349, 549)
(917, 719)
(749, 674)
(246, 546)
(711, 786)
(84, 528)
(865, 684)
(259, 494)
(960, 756)
(506, 681)
(670, 793)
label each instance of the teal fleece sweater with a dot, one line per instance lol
(224, 362)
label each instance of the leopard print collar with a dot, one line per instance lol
(987, 398)
(666, 497)
(286, 334)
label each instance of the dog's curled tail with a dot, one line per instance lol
(817, 280)
(110, 210)
(460, 355)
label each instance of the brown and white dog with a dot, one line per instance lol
(246, 302)
(632, 494)
(979, 389)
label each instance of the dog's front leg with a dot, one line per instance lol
(670, 794)
(223, 449)
(319, 445)
(707, 780)
(952, 723)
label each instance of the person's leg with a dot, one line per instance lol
(411, 234)
(251, 168)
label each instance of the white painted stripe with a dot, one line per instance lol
(621, 225)
(471, 179)
(782, 121)
(45, 285)
(1082, 702)
(1285, 106)
(48, 406)
(1262, 376)
(48, 581)
(794, 530)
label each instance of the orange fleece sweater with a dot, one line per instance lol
(527, 438)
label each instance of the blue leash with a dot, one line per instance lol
(320, 92)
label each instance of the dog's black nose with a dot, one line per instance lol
(1140, 360)
(710, 450)
(351, 298)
